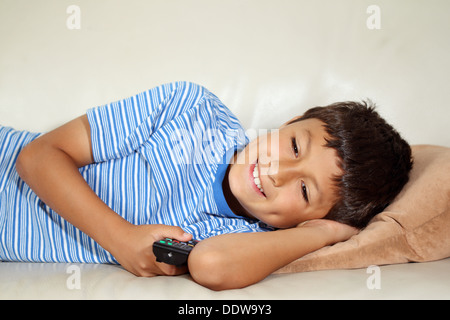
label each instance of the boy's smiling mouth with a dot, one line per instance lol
(256, 178)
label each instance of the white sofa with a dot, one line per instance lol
(268, 61)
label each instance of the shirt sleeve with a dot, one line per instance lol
(119, 128)
(254, 227)
(207, 229)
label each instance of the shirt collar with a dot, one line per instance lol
(221, 202)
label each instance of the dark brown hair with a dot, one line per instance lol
(375, 160)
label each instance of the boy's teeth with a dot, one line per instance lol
(256, 178)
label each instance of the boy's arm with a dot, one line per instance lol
(237, 260)
(49, 165)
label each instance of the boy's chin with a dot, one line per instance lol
(259, 218)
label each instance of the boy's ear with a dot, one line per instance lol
(290, 121)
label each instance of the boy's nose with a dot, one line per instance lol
(281, 172)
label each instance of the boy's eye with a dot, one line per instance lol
(294, 146)
(304, 189)
(305, 192)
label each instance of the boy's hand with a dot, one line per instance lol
(337, 231)
(133, 249)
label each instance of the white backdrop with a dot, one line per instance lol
(267, 60)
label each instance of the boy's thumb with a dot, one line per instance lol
(177, 233)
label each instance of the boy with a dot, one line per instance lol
(174, 162)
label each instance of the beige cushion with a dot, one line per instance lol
(414, 227)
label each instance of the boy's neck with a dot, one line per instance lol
(232, 202)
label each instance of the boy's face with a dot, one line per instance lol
(285, 178)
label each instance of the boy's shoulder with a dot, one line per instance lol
(210, 104)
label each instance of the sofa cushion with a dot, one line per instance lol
(415, 227)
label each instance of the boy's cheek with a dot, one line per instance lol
(268, 150)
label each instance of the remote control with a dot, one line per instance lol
(172, 251)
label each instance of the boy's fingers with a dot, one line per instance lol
(170, 270)
(175, 233)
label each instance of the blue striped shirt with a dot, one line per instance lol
(159, 158)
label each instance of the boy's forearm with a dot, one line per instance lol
(54, 177)
(238, 260)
